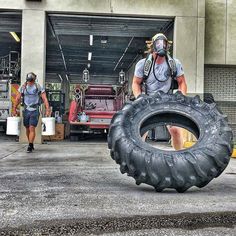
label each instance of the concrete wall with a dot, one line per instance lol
(221, 82)
(220, 36)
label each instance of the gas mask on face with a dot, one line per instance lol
(160, 44)
(160, 47)
(30, 77)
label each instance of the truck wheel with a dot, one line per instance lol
(195, 166)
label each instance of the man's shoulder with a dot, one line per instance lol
(141, 61)
(177, 61)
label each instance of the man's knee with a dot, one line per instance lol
(31, 128)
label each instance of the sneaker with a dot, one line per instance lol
(31, 145)
(29, 149)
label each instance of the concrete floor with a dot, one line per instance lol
(77, 189)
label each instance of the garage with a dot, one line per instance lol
(79, 44)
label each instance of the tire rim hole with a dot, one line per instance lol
(158, 123)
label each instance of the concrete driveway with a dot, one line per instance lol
(77, 189)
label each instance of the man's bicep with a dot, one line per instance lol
(137, 80)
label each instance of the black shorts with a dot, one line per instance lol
(30, 118)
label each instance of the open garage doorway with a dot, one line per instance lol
(91, 59)
(10, 51)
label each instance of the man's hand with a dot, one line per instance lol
(14, 112)
(48, 112)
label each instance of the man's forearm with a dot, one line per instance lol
(15, 104)
(183, 88)
(46, 104)
(45, 101)
(136, 89)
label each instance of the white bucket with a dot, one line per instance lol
(48, 126)
(13, 125)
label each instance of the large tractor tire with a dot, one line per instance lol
(195, 166)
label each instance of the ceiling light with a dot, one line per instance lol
(89, 56)
(104, 40)
(122, 77)
(89, 65)
(85, 75)
(91, 40)
(15, 36)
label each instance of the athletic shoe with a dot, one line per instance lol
(29, 149)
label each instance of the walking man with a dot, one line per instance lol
(30, 95)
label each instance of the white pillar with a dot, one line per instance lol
(189, 49)
(33, 53)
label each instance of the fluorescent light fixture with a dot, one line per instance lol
(67, 78)
(91, 40)
(89, 56)
(15, 36)
(60, 77)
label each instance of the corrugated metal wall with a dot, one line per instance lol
(221, 82)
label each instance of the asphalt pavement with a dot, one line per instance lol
(75, 188)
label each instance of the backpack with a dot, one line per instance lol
(37, 92)
(172, 66)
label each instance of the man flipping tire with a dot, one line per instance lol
(183, 168)
(160, 78)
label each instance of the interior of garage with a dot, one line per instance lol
(93, 58)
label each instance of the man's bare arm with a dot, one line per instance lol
(16, 103)
(136, 86)
(182, 86)
(45, 100)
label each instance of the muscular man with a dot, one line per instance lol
(159, 78)
(31, 93)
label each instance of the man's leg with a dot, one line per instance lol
(144, 136)
(33, 122)
(26, 120)
(27, 132)
(176, 136)
(31, 134)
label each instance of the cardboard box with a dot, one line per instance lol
(59, 133)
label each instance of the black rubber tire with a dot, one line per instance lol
(195, 166)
